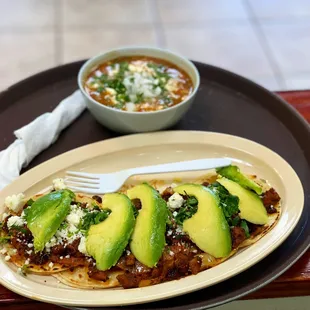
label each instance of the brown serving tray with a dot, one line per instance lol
(225, 103)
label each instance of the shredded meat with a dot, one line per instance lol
(178, 260)
(167, 193)
(130, 260)
(70, 261)
(5, 224)
(195, 265)
(59, 250)
(255, 229)
(206, 184)
(96, 274)
(129, 280)
(97, 198)
(270, 199)
(38, 259)
(72, 248)
(238, 236)
(137, 203)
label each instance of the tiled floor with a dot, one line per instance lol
(265, 40)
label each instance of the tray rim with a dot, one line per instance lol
(300, 124)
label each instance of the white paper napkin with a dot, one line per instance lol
(37, 136)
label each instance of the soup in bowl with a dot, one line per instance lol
(138, 89)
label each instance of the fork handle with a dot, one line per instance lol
(191, 165)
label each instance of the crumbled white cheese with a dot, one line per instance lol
(75, 215)
(30, 245)
(4, 216)
(3, 251)
(175, 201)
(67, 256)
(15, 221)
(178, 230)
(29, 252)
(171, 253)
(27, 261)
(14, 251)
(7, 258)
(82, 246)
(128, 252)
(169, 232)
(61, 257)
(15, 202)
(59, 184)
(51, 265)
(175, 213)
(71, 232)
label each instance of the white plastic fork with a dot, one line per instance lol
(111, 182)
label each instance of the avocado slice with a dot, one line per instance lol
(148, 238)
(107, 240)
(250, 205)
(46, 214)
(208, 227)
(233, 173)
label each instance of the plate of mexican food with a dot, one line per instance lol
(160, 235)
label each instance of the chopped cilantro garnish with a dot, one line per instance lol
(95, 207)
(18, 228)
(30, 202)
(100, 89)
(188, 209)
(229, 203)
(63, 225)
(245, 226)
(139, 98)
(93, 218)
(234, 221)
(24, 269)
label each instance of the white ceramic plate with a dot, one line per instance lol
(155, 148)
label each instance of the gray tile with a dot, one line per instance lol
(273, 9)
(23, 55)
(290, 45)
(26, 13)
(79, 45)
(180, 11)
(298, 81)
(234, 47)
(101, 12)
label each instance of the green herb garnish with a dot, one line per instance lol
(188, 209)
(30, 202)
(21, 229)
(93, 218)
(245, 226)
(229, 203)
(24, 269)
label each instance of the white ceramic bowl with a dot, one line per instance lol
(129, 122)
